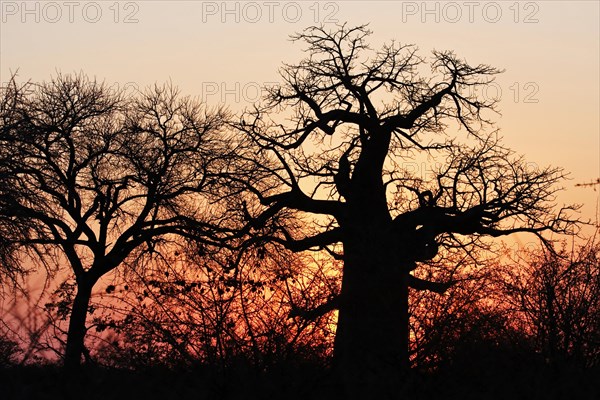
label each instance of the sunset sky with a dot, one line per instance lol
(223, 52)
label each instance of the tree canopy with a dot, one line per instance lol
(94, 176)
(340, 136)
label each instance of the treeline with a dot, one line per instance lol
(529, 319)
(540, 305)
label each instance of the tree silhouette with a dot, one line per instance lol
(204, 312)
(98, 175)
(11, 229)
(589, 184)
(338, 141)
(555, 295)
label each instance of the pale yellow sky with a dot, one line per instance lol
(224, 51)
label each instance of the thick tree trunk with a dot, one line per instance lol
(77, 328)
(371, 344)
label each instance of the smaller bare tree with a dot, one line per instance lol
(95, 175)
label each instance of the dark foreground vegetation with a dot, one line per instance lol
(493, 379)
(537, 340)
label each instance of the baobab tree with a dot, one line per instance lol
(98, 176)
(342, 135)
